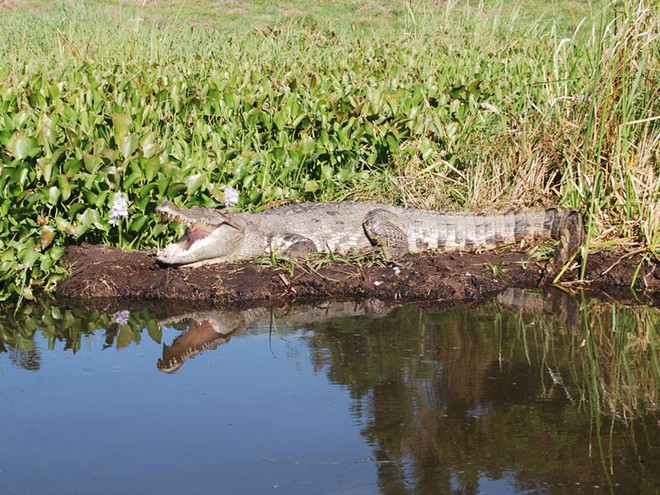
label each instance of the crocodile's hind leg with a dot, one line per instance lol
(381, 228)
(293, 246)
(571, 237)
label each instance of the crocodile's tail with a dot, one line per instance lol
(467, 232)
(491, 231)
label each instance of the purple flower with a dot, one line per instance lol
(231, 196)
(121, 317)
(119, 209)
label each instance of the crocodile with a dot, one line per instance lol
(354, 228)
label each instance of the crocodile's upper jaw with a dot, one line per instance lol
(192, 216)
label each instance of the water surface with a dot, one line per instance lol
(527, 394)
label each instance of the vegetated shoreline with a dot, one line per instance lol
(103, 272)
(410, 115)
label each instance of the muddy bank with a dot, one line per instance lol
(105, 272)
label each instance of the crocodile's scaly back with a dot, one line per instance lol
(467, 232)
(340, 227)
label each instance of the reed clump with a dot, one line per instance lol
(618, 347)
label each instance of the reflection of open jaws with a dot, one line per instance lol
(211, 329)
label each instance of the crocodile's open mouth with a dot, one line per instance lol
(199, 243)
(193, 234)
(209, 236)
(196, 236)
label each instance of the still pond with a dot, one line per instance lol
(529, 393)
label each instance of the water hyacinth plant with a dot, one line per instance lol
(231, 196)
(119, 210)
(447, 106)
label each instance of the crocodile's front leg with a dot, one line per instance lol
(381, 228)
(292, 245)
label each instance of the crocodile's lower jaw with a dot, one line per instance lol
(189, 249)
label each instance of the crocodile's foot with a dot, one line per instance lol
(571, 238)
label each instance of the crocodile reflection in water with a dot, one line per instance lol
(208, 330)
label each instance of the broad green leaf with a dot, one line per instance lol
(307, 144)
(75, 209)
(65, 187)
(45, 164)
(7, 255)
(131, 179)
(163, 186)
(28, 256)
(155, 331)
(64, 225)
(57, 252)
(125, 337)
(128, 144)
(22, 119)
(138, 223)
(72, 167)
(280, 121)
(46, 131)
(22, 147)
(327, 171)
(311, 186)
(194, 182)
(53, 195)
(92, 162)
(46, 263)
(149, 145)
(21, 174)
(88, 219)
(122, 125)
(151, 167)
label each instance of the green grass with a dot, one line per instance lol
(456, 105)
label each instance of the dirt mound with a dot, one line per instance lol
(105, 272)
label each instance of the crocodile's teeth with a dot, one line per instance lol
(169, 217)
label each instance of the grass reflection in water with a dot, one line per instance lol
(544, 392)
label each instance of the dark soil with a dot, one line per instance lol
(105, 272)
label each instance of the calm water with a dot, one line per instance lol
(526, 394)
